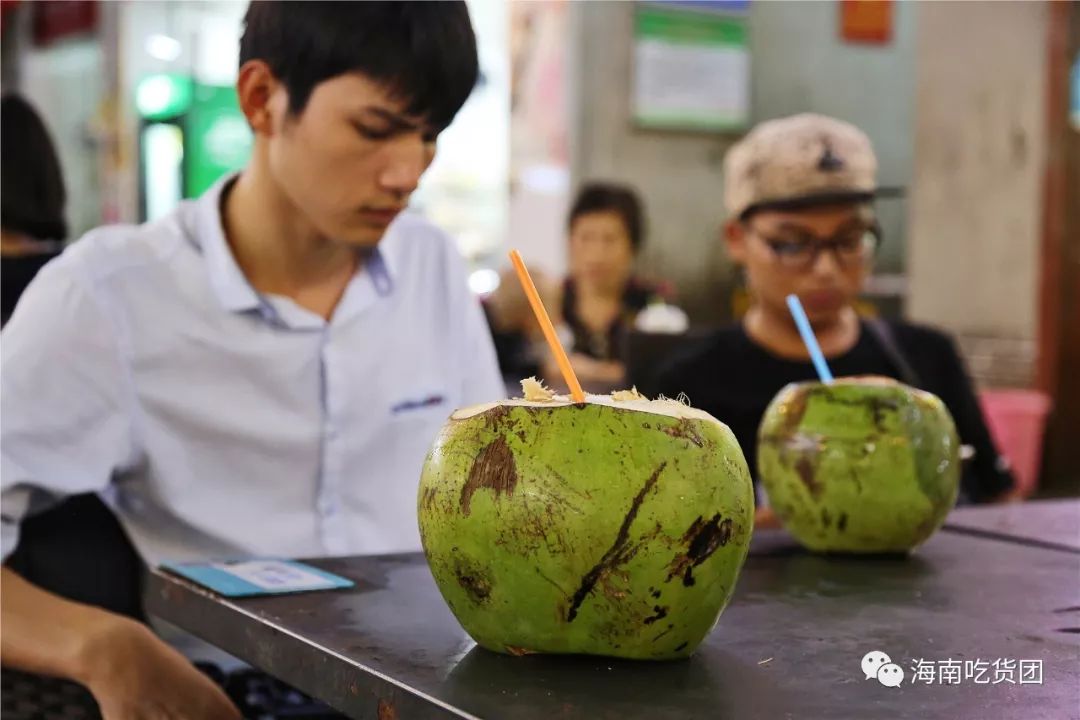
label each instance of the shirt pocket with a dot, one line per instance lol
(413, 421)
(426, 404)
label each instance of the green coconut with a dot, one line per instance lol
(862, 465)
(615, 527)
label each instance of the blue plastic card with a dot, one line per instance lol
(249, 578)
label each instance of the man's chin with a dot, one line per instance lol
(362, 239)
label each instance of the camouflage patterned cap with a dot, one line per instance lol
(799, 161)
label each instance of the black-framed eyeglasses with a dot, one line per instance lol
(851, 248)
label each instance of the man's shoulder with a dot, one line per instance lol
(419, 251)
(110, 250)
(94, 272)
(412, 232)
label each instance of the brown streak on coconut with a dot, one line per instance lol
(702, 540)
(876, 405)
(477, 587)
(610, 589)
(670, 627)
(855, 479)
(616, 554)
(805, 467)
(794, 409)
(429, 497)
(494, 469)
(552, 582)
(519, 651)
(877, 409)
(684, 430)
(493, 418)
(660, 614)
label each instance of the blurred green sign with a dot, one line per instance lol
(218, 139)
(211, 134)
(691, 68)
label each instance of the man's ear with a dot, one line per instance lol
(262, 97)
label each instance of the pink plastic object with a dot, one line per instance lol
(1017, 419)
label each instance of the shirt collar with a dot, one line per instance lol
(233, 290)
(377, 265)
(231, 286)
(384, 263)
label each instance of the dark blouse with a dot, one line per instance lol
(607, 345)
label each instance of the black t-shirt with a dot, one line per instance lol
(733, 378)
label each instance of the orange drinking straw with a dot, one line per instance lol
(545, 324)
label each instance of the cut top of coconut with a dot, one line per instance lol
(538, 396)
(879, 380)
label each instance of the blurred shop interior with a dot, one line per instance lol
(979, 152)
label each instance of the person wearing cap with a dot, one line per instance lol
(261, 372)
(799, 196)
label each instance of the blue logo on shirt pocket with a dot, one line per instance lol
(429, 401)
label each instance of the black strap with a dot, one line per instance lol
(884, 334)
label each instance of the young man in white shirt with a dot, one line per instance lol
(262, 371)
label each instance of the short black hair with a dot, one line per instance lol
(424, 53)
(34, 194)
(611, 197)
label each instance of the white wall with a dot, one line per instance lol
(979, 161)
(465, 191)
(64, 83)
(801, 65)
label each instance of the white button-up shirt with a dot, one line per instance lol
(219, 422)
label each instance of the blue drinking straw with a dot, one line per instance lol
(803, 323)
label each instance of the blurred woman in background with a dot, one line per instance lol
(602, 297)
(32, 225)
